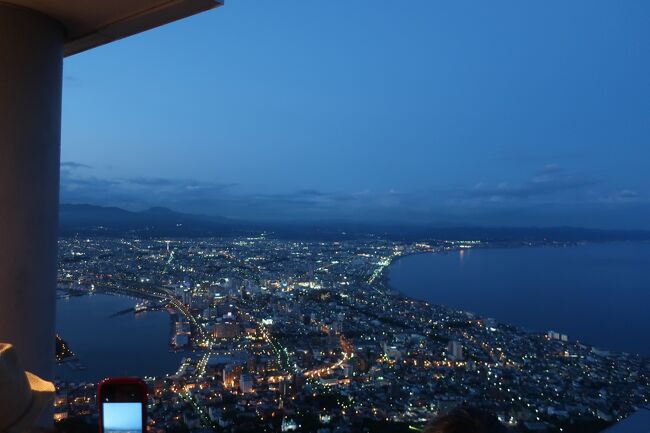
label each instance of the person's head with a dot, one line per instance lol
(465, 420)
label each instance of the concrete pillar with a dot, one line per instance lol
(31, 61)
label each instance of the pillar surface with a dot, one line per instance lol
(31, 47)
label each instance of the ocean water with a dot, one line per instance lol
(598, 294)
(109, 345)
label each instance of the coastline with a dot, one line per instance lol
(393, 290)
(131, 330)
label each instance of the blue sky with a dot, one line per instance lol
(498, 113)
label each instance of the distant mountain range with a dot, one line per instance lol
(84, 219)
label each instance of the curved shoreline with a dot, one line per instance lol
(495, 246)
(391, 286)
(90, 361)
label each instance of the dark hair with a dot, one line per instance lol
(465, 420)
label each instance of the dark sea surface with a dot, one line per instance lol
(598, 294)
(123, 345)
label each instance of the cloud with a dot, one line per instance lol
(550, 194)
(550, 169)
(310, 192)
(551, 179)
(138, 192)
(73, 165)
(225, 199)
(175, 184)
(628, 194)
(304, 199)
(153, 181)
(540, 157)
(625, 196)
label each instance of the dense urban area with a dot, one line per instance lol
(301, 336)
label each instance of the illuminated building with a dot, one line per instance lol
(455, 351)
(246, 382)
(230, 374)
(288, 424)
(226, 330)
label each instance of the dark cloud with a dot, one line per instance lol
(542, 157)
(625, 196)
(308, 197)
(137, 193)
(551, 179)
(628, 194)
(302, 199)
(549, 169)
(150, 181)
(178, 184)
(311, 192)
(546, 196)
(92, 190)
(73, 165)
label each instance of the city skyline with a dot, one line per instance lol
(505, 114)
(255, 333)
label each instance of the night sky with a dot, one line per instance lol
(420, 111)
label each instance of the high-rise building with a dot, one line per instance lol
(455, 351)
(554, 335)
(187, 297)
(246, 382)
(230, 374)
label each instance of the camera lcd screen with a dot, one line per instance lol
(122, 417)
